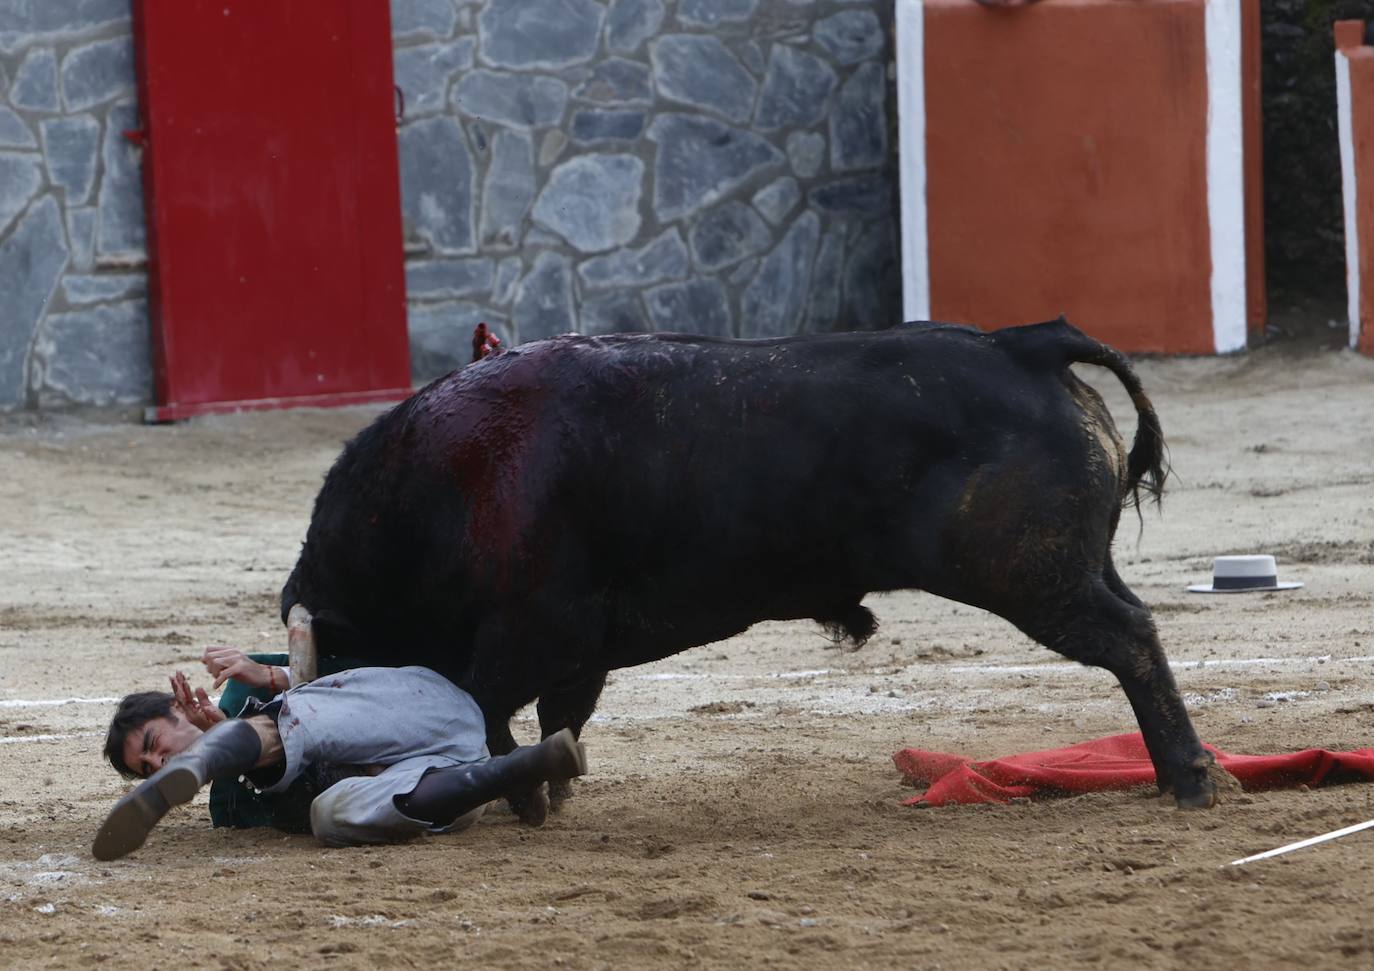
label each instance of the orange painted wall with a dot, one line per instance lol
(1066, 168)
(1362, 132)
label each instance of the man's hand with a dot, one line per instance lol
(196, 706)
(224, 663)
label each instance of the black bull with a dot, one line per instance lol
(526, 524)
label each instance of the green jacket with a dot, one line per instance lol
(234, 803)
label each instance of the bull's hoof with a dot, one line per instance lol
(559, 793)
(1204, 784)
(1204, 798)
(532, 808)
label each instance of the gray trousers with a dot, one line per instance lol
(405, 720)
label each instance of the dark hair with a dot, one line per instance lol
(134, 711)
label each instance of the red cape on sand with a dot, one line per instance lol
(1115, 762)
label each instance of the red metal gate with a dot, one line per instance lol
(275, 262)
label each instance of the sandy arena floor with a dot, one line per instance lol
(742, 808)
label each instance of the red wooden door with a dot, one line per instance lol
(276, 272)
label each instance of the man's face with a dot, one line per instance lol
(146, 748)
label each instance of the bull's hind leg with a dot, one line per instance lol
(1101, 627)
(569, 705)
(1118, 586)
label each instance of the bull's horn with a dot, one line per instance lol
(300, 641)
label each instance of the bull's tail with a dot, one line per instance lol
(1059, 343)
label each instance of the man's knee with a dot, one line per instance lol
(342, 815)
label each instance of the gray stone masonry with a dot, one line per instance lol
(13, 132)
(73, 287)
(722, 167)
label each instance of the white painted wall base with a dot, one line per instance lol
(1352, 235)
(911, 122)
(1226, 174)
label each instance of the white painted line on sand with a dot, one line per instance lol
(53, 702)
(1050, 667)
(15, 739)
(1053, 667)
(767, 675)
(1243, 662)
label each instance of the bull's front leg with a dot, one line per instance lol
(568, 705)
(513, 664)
(531, 807)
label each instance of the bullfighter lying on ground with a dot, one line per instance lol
(367, 755)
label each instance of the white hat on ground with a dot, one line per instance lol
(1243, 574)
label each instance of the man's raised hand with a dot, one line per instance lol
(196, 706)
(224, 663)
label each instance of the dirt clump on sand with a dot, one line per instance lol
(742, 807)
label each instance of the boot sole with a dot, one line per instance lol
(571, 753)
(135, 815)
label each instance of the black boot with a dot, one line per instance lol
(227, 750)
(445, 794)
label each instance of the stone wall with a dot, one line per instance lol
(713, 166)
(73, 318)
(725, 166)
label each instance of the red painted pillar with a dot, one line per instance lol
(1355, 117)
(276, 271)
